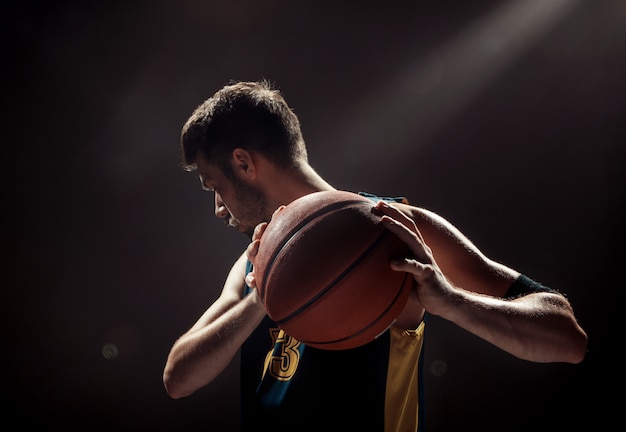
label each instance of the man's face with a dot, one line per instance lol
(239, 204)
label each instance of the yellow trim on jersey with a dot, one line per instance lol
(401, 399)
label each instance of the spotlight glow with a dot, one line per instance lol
(430, 91)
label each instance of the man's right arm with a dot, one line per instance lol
(205, 350)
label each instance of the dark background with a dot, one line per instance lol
(503, 116)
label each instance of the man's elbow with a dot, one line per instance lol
(574, 339)
(173, 386)
(579, 344)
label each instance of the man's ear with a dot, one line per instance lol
(243, 163)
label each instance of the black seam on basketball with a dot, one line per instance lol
(334, 282)
(322, 211)
(352, 336)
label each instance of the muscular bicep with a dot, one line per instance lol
(460, 260)
(231, 293)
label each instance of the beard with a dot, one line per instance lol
(252, 206)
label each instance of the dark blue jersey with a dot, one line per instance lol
(287, 386)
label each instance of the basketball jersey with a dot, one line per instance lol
(288, 386)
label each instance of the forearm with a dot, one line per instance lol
(202, 354)
(537, 327)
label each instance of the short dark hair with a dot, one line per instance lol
(246, 114)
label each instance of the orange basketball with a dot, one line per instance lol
(323, 272)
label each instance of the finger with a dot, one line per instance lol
(410, 265)
(252, 250)
(278, 210)
(384, 208)
(422, 273)
(412, 238)
(251, 280)
(259, 230)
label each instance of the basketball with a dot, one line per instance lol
(322, 271)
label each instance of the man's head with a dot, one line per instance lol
(227, 137)
(248, 115)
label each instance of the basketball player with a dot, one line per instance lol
(246, 145)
